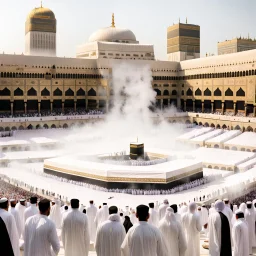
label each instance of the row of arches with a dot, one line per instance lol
(56, 92)
(229, 93)
(30, 127)
(58, 75)
(165, 92)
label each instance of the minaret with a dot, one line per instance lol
(113, 25)
(40, 32)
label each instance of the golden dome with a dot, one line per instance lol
(41, 12)
(41, 19)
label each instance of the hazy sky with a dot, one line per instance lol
(148, 19)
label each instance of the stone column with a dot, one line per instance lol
(161, 104)
(254, 111)
(222, 107)
(185, 106)
(212, 103)
(194, 107)
(51, 106)
(39, 107)
(25, 107)
(234, 107)
(11, 108)
(75, 106)
(245, 109)
(86, 102)
(62, 106)
(202, 107)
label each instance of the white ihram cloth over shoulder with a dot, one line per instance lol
(91, 212)
(250, 218)
(143, 239)
(21, 210)
(16, 216)
(173, 235)
(240, 238)
(12, 231)
(110, 236)
(191, 223)
(75, 233)
(31, 211)
(56, 215)
(153, 217)
(102, 215)
(40, 237)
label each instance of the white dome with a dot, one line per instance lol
(113, 34)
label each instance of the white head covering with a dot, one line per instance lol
(219, 206)
(235, 208)
(169, 215)
(242, 207)
(192, 207)
(3, 200)
(166, 201)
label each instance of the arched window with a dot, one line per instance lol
(45, 92)
(18, 92)
(182, 92)
(189, 92)
(69, 92)
(5, 92)
(80, 92)
(198, 92)
(217, 92)
(207, 92)
(32, 92)
(57, 92)
(228, 92)
(174, 92)
(240, 93)
(158, 92)
(92, 92)
(166, 92)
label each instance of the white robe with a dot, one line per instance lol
(153, 217)
(16, 216)
(240, 238)
(173, 236)
(250, 219)
(102, 215)
(40, 237)
(30, 211)
(192, 227)
(12, 230)
(133, 218)
(110, 236)
(204, 219)
(162, 210)
(143, 239)
(75, 233)
(56, 215)
(91, 212)
(21, 210)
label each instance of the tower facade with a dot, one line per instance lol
(183, 42)
(40, 32)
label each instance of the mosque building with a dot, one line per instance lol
(40, 81)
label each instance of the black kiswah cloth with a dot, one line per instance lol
(225, 249)
(5, 242)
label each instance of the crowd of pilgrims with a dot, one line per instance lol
(41, 227)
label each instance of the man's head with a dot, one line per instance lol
(192, 207)
(53, 202)
(33, 200)
(142, 212)
(151, 205)
(112, 210)
(166, 201)
(226, 201)
(13, 203)
(91, 202)
(239, 214)
(199, 209)
(74, 203)
(174, 207)
(4, 203)
(44, 207)
(249, 205)
(65, 207)
(84, 211)
(23, 202)
(219, 206)
(105, 204)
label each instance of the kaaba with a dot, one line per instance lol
(136, 151)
